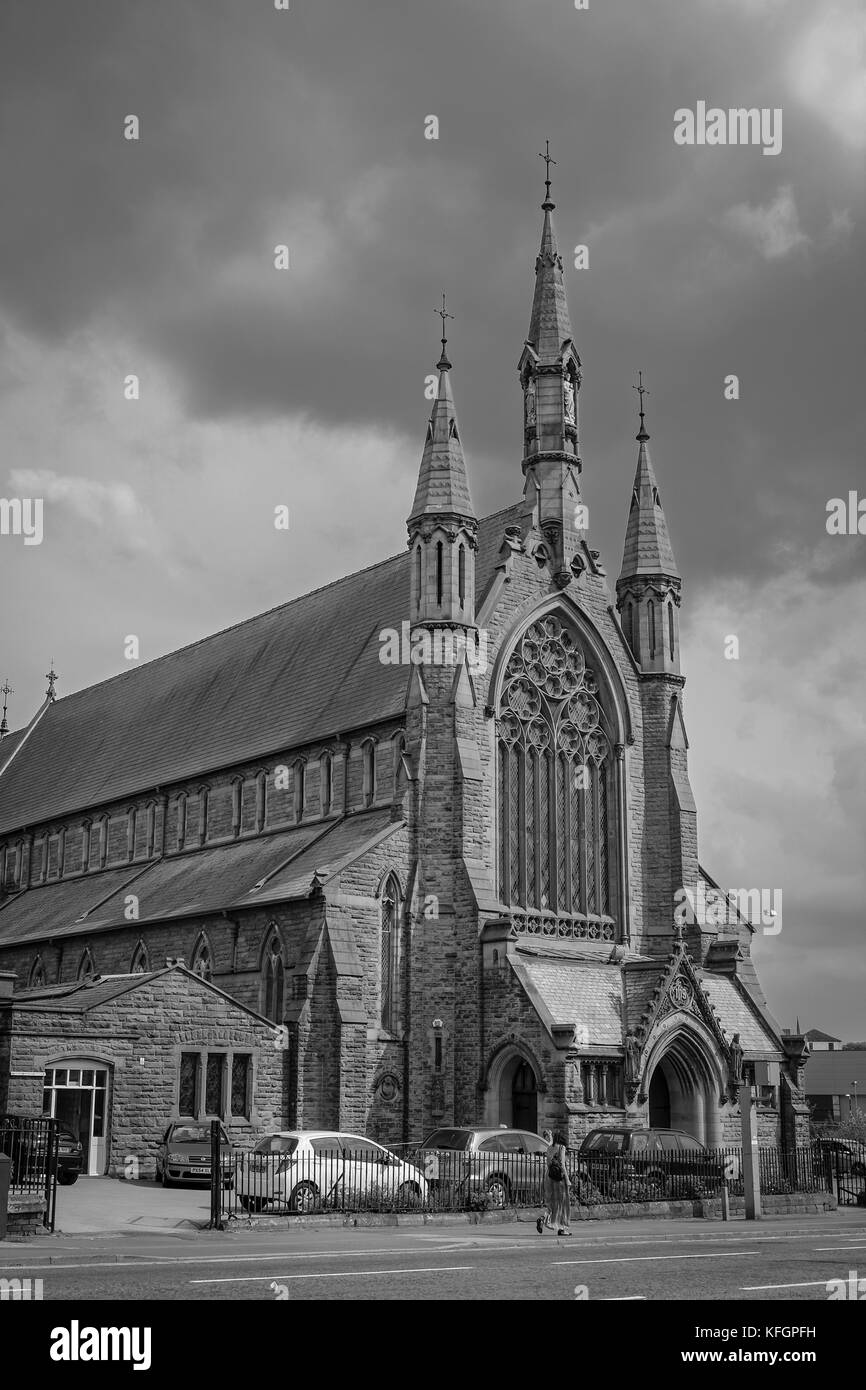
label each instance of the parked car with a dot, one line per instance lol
(652, 1162)
(184, 1153)
(497, 1165)
(844, 1156)
(70, 1158)
(28, 1148)
(304, 1170)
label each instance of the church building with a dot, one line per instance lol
(450, 882)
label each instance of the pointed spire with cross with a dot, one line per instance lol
(443, 364)
(51, 677)
(5, 690)
(548, 160)
(642, 391)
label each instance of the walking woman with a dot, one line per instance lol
(544, 1219)
(556, 1189)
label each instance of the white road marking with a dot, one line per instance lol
(338, 1274)
(624, 1298)
(839, 1247)
(630, 1259)
(810, 1284)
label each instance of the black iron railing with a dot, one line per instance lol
(323, 1176)
(31, 1142)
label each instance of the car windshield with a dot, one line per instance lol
(193, 1134)
(276, 1144)
(448, 1139)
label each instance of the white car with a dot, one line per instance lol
(306, 1170)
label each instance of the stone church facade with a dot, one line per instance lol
(452, 879)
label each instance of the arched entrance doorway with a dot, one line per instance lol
(683, 1087)
(512, 1091)
(524, 1098)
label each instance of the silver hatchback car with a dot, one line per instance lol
(495, 1166)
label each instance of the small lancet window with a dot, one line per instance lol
(651, 612)
(461, 574)
(671, 627)
(418, 575)
(439, 561)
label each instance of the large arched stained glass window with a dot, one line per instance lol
(555, 785)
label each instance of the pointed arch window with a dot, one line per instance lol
(461, 574)
(104, 826)
(671, 627)
(368, 753)
(86, 967)
(399, 769)
(150, 835)
(202, 962)
(181, 820)
(556, 827)
(299, 789)
(237, 804)
(85, 845)
(261, 800)
(418, 576)
(439, 561)
(389, 954)
(326, 782)
(140, 964)
(131, 821)
(273, 981)
(651, 614)
(37, 974)
(203, 798)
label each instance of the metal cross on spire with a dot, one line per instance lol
(5, 690)
(51, 677)
(443, 314)
(548, 160)
(642, 391)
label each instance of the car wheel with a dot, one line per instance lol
(409, 1194)
(498, 1191)
(66, 1179)
(304, 1198)
(252, 1205)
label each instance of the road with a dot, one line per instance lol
(775, 1259)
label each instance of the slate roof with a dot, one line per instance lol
(80, 996)
(196, 884)
(815, 1035)
(578, 992)
(735, 1014)
(831, 1073)
(306, 670)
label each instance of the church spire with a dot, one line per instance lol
(550, 377)
(549, 322)
(442, 523)
(6, 690)
(648, 588)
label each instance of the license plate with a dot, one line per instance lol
(202, 1170)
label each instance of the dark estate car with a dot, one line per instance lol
(184, 1155)
(843, 1156)
(652, 1163)
(494, 1166)
(27, 1147)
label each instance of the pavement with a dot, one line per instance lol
(96, 1205)
(778, 1258)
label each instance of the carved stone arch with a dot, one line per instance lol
(140, 962)
(86, 965)
(683, 1077)
(273, 967)
(504, 1062)
(202, 958)
(595, 648)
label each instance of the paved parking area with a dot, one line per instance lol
(111, 1204)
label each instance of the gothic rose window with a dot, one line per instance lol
(555, 779)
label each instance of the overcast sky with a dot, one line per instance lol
(306, 387)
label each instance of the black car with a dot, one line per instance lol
(647, 1164)
(70, 1158)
